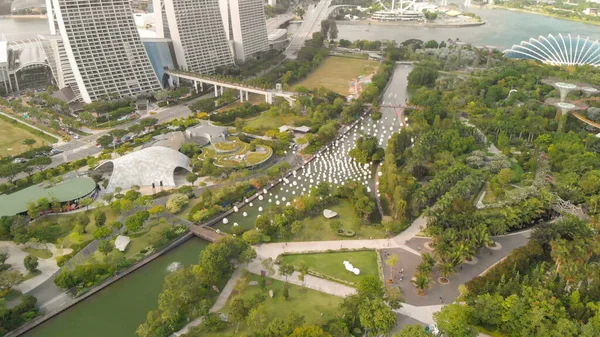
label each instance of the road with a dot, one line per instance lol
(86, 146)
(274, 23)
(312, 23)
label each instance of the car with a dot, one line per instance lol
(76, 137)
(98, 145)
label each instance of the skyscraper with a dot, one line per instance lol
(197, 32)
(246, 26)
(99, 49)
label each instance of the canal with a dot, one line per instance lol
(120, 308)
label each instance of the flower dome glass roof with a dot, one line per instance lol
(558, 50)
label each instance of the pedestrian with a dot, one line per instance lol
(441, 300)
(401, 270)
(419, 247)
(461, 267)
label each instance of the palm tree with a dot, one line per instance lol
(428, 259)
(448, 269)
(422, 282)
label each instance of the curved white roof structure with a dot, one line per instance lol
(558, 50)
(154, 164)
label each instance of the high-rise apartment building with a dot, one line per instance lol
(197, 32)
(97, 48)
(246, 26)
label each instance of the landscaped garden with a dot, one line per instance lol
(335, 73)
(331, 265)
(317, 228)
(316, 307)
(238, 153)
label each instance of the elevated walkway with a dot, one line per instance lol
(200, 79)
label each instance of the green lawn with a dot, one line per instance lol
(137, 244)
(40, 253)
(66, 223)
(491, 333)
(331, 264)
(263, 123)
(336, 72)
(11, 137)
(316, 307)
(319, 229)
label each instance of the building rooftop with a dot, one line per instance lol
(69, 190)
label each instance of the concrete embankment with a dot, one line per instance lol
(41, 319)
(412, 24)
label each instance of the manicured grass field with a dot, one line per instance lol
(319, 229)
(40, 253)
(260, 125)
(252, 98)
(336, 72)
(11, 137)
(316, 307)
(332, 264)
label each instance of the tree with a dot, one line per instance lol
(136, 129)
(422, 282)
(191, 177)
(105, 247)
(99, 218)
(286, 292)
(333, 30)
(86, 202)
(102, 232)
(29, 142)
(412, 330)
(309, 331)
(39, 163)
(86, 117)
(300, 12)
(376, 316)
(238, 311)
(105, 140)
(3, 257)
(505, 176)
(156, 210)
(325, 27)
(148, 122)
(177, 202)
(302, 269)
(423, 76)
(286, 269)
(118, 133)
(454, 320)
(392, 261)
(9, 279)
(268, 265)
(31, 263)
(258, 318)
(370, 287)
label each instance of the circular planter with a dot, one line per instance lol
(420, 293)
(345, 232)
(495, 246)
(473, 260)
(443, 280)
(428, 245)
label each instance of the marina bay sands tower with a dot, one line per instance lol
(95, 49)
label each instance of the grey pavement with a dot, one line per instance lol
(485, 259)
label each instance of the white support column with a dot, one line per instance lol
(202, 86)
(221, 90)
(241, 96)
(17, 82)
(216, 91)
(196, 86)
(246, 96)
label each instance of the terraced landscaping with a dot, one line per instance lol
(237, 154)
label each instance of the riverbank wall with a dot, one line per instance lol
(41, 16)
(411, 24)
(50, 314)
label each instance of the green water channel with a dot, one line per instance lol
(120, 308)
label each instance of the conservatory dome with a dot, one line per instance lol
(558, 50)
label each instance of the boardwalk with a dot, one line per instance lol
(205, 233)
